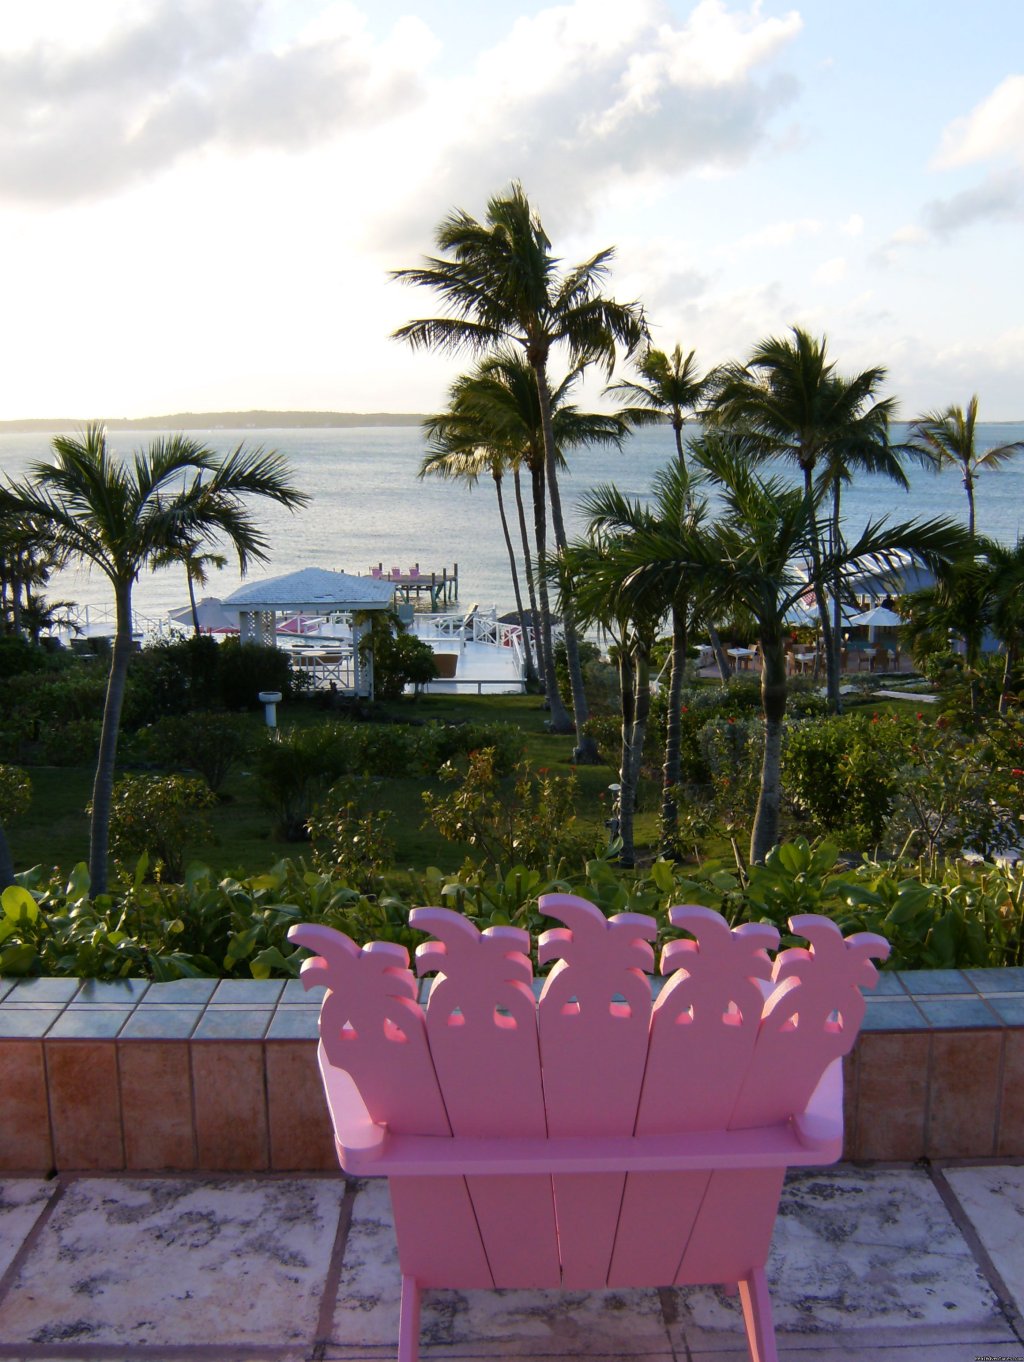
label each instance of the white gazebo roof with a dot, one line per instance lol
(311, 591)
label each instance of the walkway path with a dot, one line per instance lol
(879, 1263)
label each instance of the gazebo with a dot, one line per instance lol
(315, 591)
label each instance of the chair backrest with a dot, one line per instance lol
(752, 1037)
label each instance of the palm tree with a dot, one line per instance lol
(869, 452)
(501, 285)
(946, 439)
(119, 516)
(674, 508)
(197, 570)
(752, 559)
(980, 593)
(500, 398)
(590, 570)
(791, 403)
(672, 387)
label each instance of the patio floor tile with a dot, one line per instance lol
(993, 1200)
(172, 1261)
(570, 1324)
(22, 1202)
(860, 1258)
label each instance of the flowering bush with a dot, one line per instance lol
(527, 817)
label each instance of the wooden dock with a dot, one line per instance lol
(440, 588)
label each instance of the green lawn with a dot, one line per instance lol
(55, 831)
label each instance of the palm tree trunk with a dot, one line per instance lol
(192, 602)
(561, 720)
(969, 487)
(514, 569)
(627, 771)
(837, 605)
(671, 771)
(531, 638)
(586, 752)
(103, 785)
(677, 429)
(1009, 666)
(765, 832)
(831, 675)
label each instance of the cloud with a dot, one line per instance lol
(999, 198)
(585, 97)
(831, 271)
(993, 128)
(83, 122)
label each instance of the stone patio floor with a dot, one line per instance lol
(868, 1262)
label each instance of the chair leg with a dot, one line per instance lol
(409, 1322)
(757, 1316)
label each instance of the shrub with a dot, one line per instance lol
(349, 839)
(529, 817)
(173, 676)
(204, 741)
(159, 816)
(294, 769)
(843, 772)
(74, 743)
(15, 792)
(400, 659)
(18, 657)
(244, 669)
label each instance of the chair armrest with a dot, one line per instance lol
(358, 1138)
(820, 1127)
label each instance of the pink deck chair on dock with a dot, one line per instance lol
(589, 1139)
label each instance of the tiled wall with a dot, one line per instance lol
(201, 1074)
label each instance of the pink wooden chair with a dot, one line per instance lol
(588, 1139)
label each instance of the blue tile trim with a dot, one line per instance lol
(251, 1009)
(889, 985)
(43, 990)
(180, 991)
(107, 992)
(921, 982)
(1010, 980)
(295, 1023)
(89, 1022)
(958, 1013)
(233, 1023)
(899, 1014)
(1008, 1010)
(30, 1021)
(255, 992)
(164, 1021)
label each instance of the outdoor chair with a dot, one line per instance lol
(588, 1139)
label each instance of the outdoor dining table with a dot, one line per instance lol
(742, 656)
(805, 660)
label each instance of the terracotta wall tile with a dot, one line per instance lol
(301, 1136)
(230, 1105)
(964, 1094)
(85, 1104)
(850, 1103)
(25, 1145)
(1011, 1120)
(156, 1105)
(892, 1088)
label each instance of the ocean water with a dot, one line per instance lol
(368, 506)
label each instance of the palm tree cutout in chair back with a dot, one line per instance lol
(537, 1140)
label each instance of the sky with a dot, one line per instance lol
(200, 200)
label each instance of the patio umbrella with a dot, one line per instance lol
(878, 617)
(213, 618)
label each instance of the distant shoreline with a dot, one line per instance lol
(222, 420)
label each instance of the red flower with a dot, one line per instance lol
(920, 716)
(685, 709)
(1017, 771)
(730, 720)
